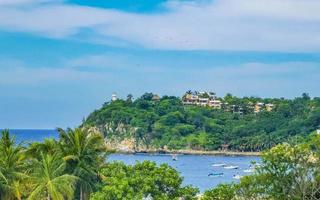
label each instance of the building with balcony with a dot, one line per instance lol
(156, 97)
(203, 101)
(190, 99)
(215, 103)
(258, 107)
(269, 107)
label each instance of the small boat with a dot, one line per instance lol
(237, 177)
(219, 165)
(231, 167)
(215, 174)
(174, 157)
(251, 170)
(255, 166)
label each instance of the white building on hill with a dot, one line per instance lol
(114, 97)
(215, 103)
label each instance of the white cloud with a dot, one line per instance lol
(263, 25)
(262, 79)
(142, 63)
(14, 2)
(289, 79)
(39, 76)
(25, 2)
(266, 70)
(100, 61)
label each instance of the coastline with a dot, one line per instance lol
(189, 152)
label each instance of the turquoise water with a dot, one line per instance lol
(194, 168)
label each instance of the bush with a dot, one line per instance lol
(144, 180)
(221, 192)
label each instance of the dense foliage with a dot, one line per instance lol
(221, 192)
(74, 167)
(52, 170)
(142, 181)
(288, 172)
(167, 123)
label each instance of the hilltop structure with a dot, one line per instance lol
(269, 107)
(210, 99)
(156, 97)
(262, 106)
(153, 122)
(114, 97)
(202, 99)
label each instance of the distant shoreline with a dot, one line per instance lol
(191, 152)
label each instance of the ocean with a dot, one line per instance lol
(194, 168)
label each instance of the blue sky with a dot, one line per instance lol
(61, 59)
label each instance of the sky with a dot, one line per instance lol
(61, 59)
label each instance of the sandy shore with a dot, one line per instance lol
(229, 153)
(193, 152)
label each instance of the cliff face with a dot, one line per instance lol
(168, 124)
(126, 145)
(120, 137)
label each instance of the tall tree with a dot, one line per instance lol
(12, 168)
(143, 180)
(129, 98)
(48, 146)
(288, 172)
(85, 153)
(50, 181)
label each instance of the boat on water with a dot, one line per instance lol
(250, 170)
(237, 177)
(254, 166)
(175, 157)
(231, 167)
(215, 174)
(219, 165)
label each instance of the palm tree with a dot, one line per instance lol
(84, 152)
(48, 146)
(12, 168)
(50, 181)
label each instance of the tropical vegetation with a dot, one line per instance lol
(166, 123)
(74, 167)
(143, 180)
(52, 170)
(287, 172)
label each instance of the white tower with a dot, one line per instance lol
(114, 97)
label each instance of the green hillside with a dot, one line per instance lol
(167, 123)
